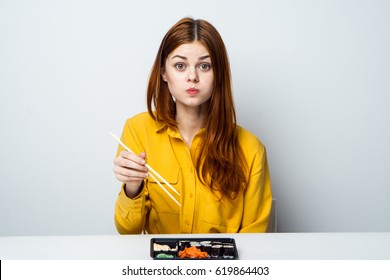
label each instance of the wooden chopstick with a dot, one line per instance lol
(154, 171)
(148, 166)
(162, 187)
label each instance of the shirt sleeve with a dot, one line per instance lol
(257, 195)
(130, 213)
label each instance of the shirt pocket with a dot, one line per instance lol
(161, 202)
(223, 215)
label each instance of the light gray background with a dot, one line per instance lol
(311, 80)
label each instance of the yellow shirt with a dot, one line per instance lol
(201, 211)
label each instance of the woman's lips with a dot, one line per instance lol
(192, 91)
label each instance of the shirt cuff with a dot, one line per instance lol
(130, 203)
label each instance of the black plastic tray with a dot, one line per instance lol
(177, 244)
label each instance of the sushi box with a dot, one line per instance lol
(193, 248)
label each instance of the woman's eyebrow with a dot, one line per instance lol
(185, 58)
(179, 56)
(204, 57)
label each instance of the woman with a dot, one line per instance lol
(190, 137)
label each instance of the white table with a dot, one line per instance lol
(269, 246)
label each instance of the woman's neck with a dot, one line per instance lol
(189, 122)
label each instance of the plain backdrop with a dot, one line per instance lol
(311, 79)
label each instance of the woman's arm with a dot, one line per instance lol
(130, 212)
(257, 195)
(131, 205)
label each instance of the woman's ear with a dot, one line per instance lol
(163, 74)
(164, 77)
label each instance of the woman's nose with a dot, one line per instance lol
(192, 76)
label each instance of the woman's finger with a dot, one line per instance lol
(133, 157)
(128, 163)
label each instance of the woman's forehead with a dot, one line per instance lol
(190, 50)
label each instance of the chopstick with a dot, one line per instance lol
(154, 171)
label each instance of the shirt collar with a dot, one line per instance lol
(173, 132)
(161, 127)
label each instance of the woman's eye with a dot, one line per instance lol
(204, 66)
(180, 66)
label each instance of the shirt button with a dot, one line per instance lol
(187, 223)
(191, 195)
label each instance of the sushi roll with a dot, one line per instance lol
(216, 251)
(228, 251)
(195, 244)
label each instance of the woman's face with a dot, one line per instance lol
(189, 75)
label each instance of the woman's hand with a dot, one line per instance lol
(131, 170)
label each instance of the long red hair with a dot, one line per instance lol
(220, 164)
